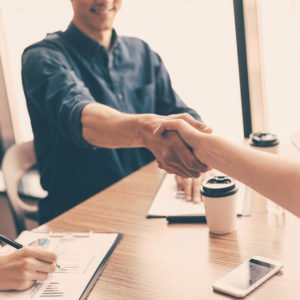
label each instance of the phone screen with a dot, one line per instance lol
(247, 274)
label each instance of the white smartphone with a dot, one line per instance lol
(248, 276)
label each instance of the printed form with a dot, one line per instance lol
(79, 257)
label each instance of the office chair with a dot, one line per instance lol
(16, 161)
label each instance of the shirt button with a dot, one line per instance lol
(120, 96)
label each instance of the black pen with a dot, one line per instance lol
(14, 244)
(186, 219)
(10, 242)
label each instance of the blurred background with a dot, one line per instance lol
(195, 38)
(197, 41)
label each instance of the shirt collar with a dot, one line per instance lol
(86, 44)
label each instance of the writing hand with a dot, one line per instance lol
(21, 269)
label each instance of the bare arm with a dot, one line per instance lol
(103, 126)
(106, 127)
(275, 177)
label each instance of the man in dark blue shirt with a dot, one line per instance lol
(94, 99)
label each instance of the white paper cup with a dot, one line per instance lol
(219, 194)
(267, 142)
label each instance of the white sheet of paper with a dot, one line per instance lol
(168, 202)
(78, 257)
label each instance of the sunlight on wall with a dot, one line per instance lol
(280, 22)
(26, 22)
(196, 39)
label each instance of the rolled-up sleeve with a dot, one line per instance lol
(53, 88)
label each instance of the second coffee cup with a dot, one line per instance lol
(219, 194)
(267, 142)
(264, 141)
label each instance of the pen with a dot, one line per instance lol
(186, 219)
(14, 244)
(10, 242)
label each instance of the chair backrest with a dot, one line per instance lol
(16, 161)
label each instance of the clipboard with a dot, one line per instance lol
(78, 271)
(101, 266)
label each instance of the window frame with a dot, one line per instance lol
(251, 66)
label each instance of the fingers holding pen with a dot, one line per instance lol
(22, 268)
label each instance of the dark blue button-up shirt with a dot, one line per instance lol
(63, 73)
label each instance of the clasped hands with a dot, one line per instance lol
(174, 144)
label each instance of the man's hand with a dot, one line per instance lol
(175, 157)
(191, 188)
(171, 152)
(190, 134)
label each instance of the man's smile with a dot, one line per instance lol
(103, 8)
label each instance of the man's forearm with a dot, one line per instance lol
(106, 127)
(103, 126)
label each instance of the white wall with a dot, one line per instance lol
(26, 22)
(196, 39)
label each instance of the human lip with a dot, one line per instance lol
(103, 7)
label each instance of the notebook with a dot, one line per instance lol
(169, 202)
(81, 257)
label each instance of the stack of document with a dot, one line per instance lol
(169, 202)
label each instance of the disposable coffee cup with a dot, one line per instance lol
(267, 142)
(219, 194)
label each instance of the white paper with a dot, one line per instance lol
(168, 202)
(78, 257)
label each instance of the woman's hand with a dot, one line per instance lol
(21, 269)
(190, 134)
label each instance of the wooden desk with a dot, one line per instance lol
(159, 261)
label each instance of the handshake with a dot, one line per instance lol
(176, 144)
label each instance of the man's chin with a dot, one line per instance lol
(102, 27)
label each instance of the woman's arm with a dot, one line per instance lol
(275, 177)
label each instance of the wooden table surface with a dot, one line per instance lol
(155, 260)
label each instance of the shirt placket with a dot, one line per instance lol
(116, 79)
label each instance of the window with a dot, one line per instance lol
(195, 38)
(280, 43)
(23, 23)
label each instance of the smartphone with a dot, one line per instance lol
(247, 277)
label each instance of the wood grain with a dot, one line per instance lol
(157, 261)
